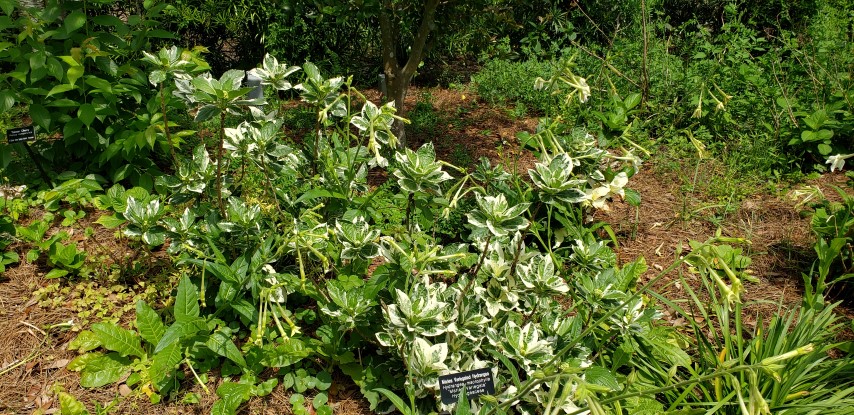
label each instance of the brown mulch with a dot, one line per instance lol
(781, 240)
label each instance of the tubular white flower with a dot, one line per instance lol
(837, 161)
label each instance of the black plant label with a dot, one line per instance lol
(20, 135)
(477, 382)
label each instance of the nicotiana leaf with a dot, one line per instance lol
(117, 339)
(186, 301)
(150, 327)
(103, 370)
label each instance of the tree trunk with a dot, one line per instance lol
(398, 77)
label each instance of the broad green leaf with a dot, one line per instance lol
(117, 339)
(40, 116)
(286, 354)
(7, 100)
(55, 273)
(164, 365)
(104, 370)
(74, 21)
(180, 330)
(231, 396)
(824, 149)
(324, 380)
(186, 301)
(633, 197)
(60, 88)
(79, 363)
(8, 6)
(69, 405)
(86, 113)
(598, 375)
(108, 21)
(55, 68)
(148, 323)
(84, 342)
(37, 60)
(207, 112)
(220, 343)
(99, 83)
(110, 221)
(632, 101)
(74, 73)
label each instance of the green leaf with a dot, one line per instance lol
(187, 301)
(99, 83)
(156, 77)
(207, 112)
(7, 100)
(117, 339)
(463, 407)
(79, 363)
(84, 342)
(231, 396)
(148, 323)
(86, 113)
(824, 149)
(8, 6)
(69, 405)
(56, 273)
(289, 352)
(60, 88)
(220, 343)
(396, 400)
(110, 221)
(74, 73)
(598, 375)
(324, 380)
(104, 370)
(40, 116)
(180, 330)
(74, 21)
(164, 365)
(633, 197)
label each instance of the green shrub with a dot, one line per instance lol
(506, 82)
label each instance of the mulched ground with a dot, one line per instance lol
(33, 355)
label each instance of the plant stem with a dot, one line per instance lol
(410, 200)
(473, 274)
(219, 163)
(166, 126)
(196, 375)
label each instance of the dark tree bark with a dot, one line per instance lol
(398, 76)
